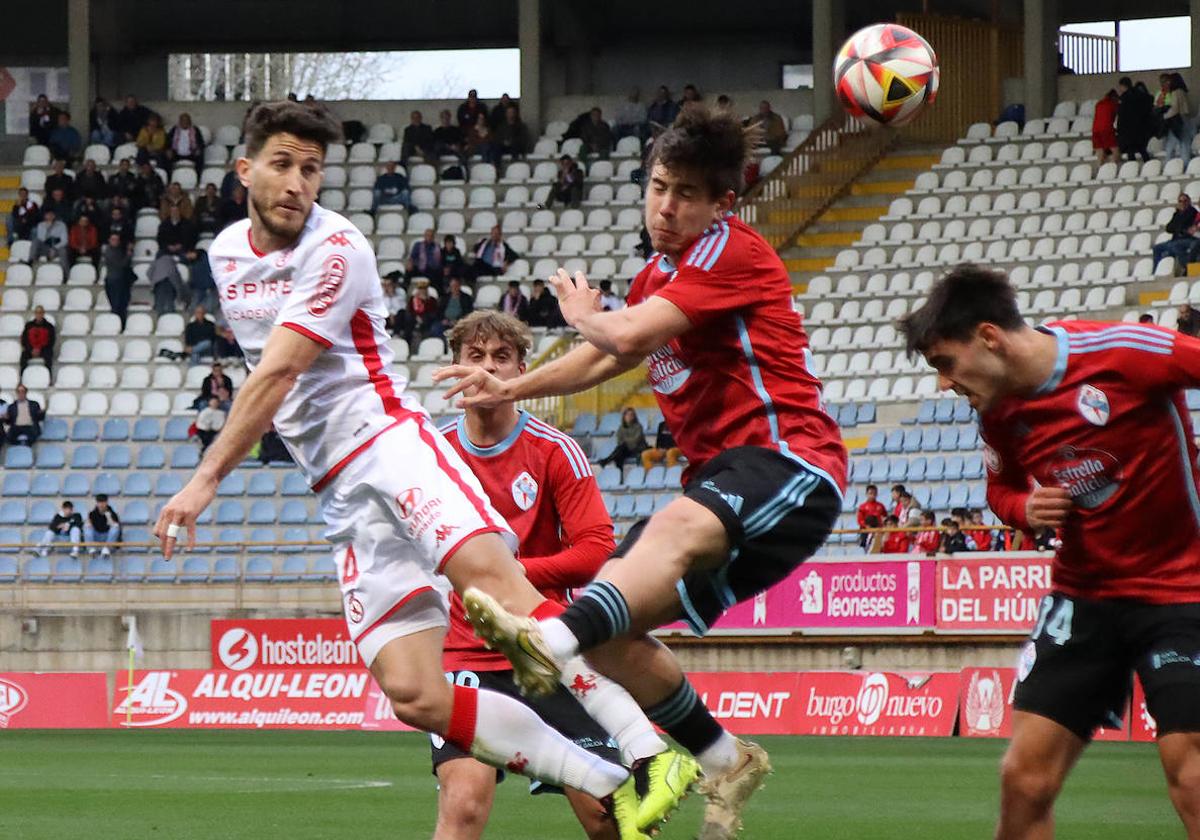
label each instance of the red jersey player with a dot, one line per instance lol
(712, 314)
(1087, 431)
(871, 507)
(540, 481)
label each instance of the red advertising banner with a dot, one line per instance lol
(241, 700)
(377, 712)
(1142, 725)
(53, 701)
(288, 644)
(751, 703)
(876, 703)
(985, 706)
(990, 594)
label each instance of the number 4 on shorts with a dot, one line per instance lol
(1056, 623)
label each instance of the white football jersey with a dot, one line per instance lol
(327, 288)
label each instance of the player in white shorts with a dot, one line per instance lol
(299, 286)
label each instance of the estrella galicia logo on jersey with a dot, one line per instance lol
(1093, 405)
(1091, 476)
(666, 371)
(333, 274)
(524, 491)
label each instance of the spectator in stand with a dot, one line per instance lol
(58, 203)
(631, 117)
(148, 188)
(58, 179)
(271, 449)
(1178, 121)
(65, 140)
(102, 526)
(43, 118)
(177, 198)
(422, 312)
(609, 301)
(23, 217)
(567, 187)
(234, 208)
(453, 264)
(24, 417)
(1183, 228)
(469, 111)
(953, 539)
(395, 299)
(1135, 117)
(871, 507)
(152, 142)
(123, 182)
(227, 346)
(176, 235)
(87, 206)
(213, 383)
(50, 239)
(1189, 320)
(425, 259)
(898, 494)
(514, 302)
(896, 542)
(499, 111)
(102, 123)
(481, 142)
(912, 510)
(66, 526)
(979, 537)
(662, 111)
(773, 128)
(91, 183)
(631, 440)
(1145, 318)
(118, 223)
(206, 212)
(543, 310)
(83, 242)
(117, 261)
(166, 284)
(418, 138)
(229, 183)
(453, 306)
(130, 120)
(1104, 133)
(691, 96)
(929, 540)
(596, 135)
(448, 138)
(492, 256)
(664, 448)
(209, 423)
(199, 336)
(185, 142)
(391, 189)
(724, 104)
(512, 136)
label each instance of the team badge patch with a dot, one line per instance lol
(1093, 405)
(524, 491)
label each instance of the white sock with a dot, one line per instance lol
(508, 734)
(612, 707)
(719, 756)
(561, 641)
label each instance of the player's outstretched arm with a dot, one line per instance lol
(633, 331)
(287, 354)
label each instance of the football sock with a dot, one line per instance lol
(558, 637)
(683, 716)
(596, 616)
(611, 706)
(547, 609)
(510, 735)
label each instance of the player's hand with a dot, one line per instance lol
(1047, 507)
(476, 387)
(576, 299)
(182, 512)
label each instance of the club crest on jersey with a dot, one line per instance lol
(1093, 405)
(333, 274)
(524, 491)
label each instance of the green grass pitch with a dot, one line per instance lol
(203, 785)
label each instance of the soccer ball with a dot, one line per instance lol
(886, 74)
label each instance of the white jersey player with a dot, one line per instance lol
(299, 286)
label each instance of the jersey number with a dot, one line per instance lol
(465, 679)
(350, 567)
(1055, 623)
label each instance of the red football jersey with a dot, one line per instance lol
(1111, 426)
(540, 481)
(739, 377)
(875, 509)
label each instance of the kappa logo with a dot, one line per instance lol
(340, 240)
(1093, 405)
(985, 702)
(409, 501)
(524, 491)
(152, 702)
(231, 266)
(238, 649)
(12, 700)
(443, 532)
(333, 274)
(581, 685)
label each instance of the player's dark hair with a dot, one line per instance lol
(966, 297)
(307, 120)
(486, 324)
(871, 487)
(712, 144)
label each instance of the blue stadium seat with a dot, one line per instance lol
(944, 413)
(959, 497)
(916, 469)
(16, 484)
(664, 499)
(262, 512)
(949, 439)
(10, 536)
(644, 505)
(977, 498)
(973, 467)
(852, 415)
(876, 442)
(230, 512)
(45, 484)
(926, 412)
(8, 569)
(897, 469)
(258, 569)
(50, 456)
(37, 569)
(293, 512)
(625, 506)
(850, 500)
(656, 478)
(962, 411)
(929, 439)
(294, 535)
(98, 570)
(151, 457)
(18, 458)
(117, 457)
(635, 478)
(115, 428)
(12, 513)
(608, 424)
(315, 517)
(912, 440)
(894, 441)
(293, 569)
(136, 535)
(67, 570)
(85, 428)
(609, 478)
(602, 446)
(194, 570)
(225, 570)
(167, 484)
(159, 570)
(968, 439)
(86, 457)
(261, 484)
(954, 468)
(106, 483)
(674, 478)
(131, 569)
(879, 469)
(54, 429)
(184, 458)
(939, 498)
(42, 511)
(136, 512)
(76, 485)
(233, 484)
(294, 485)
(610, 503)
(262, 535)
(936, 468)
(145, 429)
(323, 568)
(921, 494)
(176, 429)
(585, 424)
(204, 535)
(860, 469)
(231, 535)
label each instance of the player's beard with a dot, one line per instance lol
(279, 231)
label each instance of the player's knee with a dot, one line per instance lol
(423, 706)
(691, 529)
(462, 812)
(1035, 786)
(1183, 779)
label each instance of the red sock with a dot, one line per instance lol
(461, 732)
(547, 609)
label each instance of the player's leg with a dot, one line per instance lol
(592, 815)
(1180, 754)
(486, 562)
(1033, 770)
(466, 791)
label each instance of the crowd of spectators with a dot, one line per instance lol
(884, 531)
